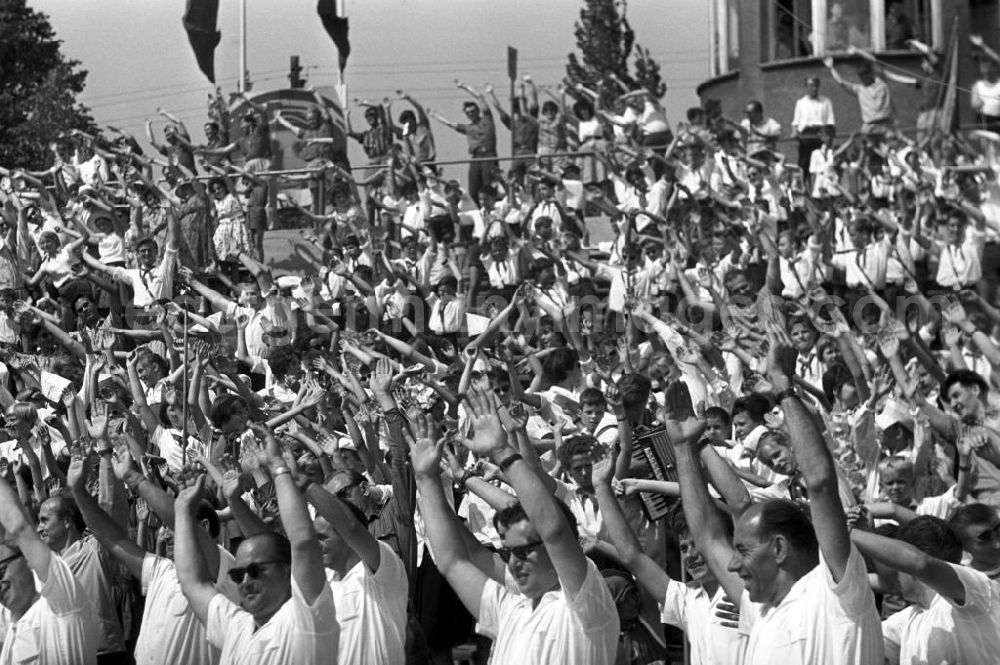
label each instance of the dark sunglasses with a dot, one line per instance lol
(254, 571)
(520, 552)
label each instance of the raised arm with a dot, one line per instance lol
(540, 506)
(192, 571)
(814, 460)
(307, 560)
(110, 533)
(444, 533)
(21, 531)
(344, 522)
(901, 556)
(653, 578)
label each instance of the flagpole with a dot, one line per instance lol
(242, 87)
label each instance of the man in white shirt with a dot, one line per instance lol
(562, 611)
(691, 607)
(960, 257)
(286, 613)
(149, 282)
(368, 581)
(170, 632)
(804, 596)
(813, 114)
(53, 624)
(874, 98)
(759, 132)
(62, 530)
(954, 616)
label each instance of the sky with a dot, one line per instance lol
(138, 57)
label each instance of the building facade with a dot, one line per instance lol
(764, 50)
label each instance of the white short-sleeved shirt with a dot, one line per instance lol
(92, 565)
(170, 632)
(690, 608)
(60, 628)
(371, 611)
(297, 634)
(946, 632)
(570, 631)
(818, 621)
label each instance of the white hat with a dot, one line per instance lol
(894, 412)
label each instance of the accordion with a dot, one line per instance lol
(652, 448)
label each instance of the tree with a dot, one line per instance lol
(38, 88)
(606, 42)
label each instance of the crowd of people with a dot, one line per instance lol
(759, 424)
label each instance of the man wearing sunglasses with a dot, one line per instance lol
(562, 611)
(55, 623)
(286, 612)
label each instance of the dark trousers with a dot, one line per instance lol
(807, 145)
(480, 174)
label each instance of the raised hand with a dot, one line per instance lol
(513, 417)
(190, 497)
(425, 448)
(888, 343)
(98, 426)
(123, 464)
(682, 424)
(141, 509)
(76, 474)
(950, 335)
(780, 363)
(603, 471)
(269, 456)
(381, 378)
(489, 435)
(954, 314)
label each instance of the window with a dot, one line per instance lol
(848, 23)
(905, 20)
(725, 36)
(788, 30)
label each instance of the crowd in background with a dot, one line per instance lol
(722, 375)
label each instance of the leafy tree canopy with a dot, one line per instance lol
(38, 88)
(607, 42)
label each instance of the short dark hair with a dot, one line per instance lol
(678, 524)
(967, 378)
(581, 444)
(755, 405)
(834, 379)
(145, 242)
(223, 408)
(972, 513)
(558, 364)
(282, 548)
(593, 396)
(514, 513)
(932, 535)
(66, 509)
(207, 512)
(789, 519)
(634, 389)
(720, 413)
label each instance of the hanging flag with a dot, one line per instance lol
(949, 98)
(335, 24)
(200, 21)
